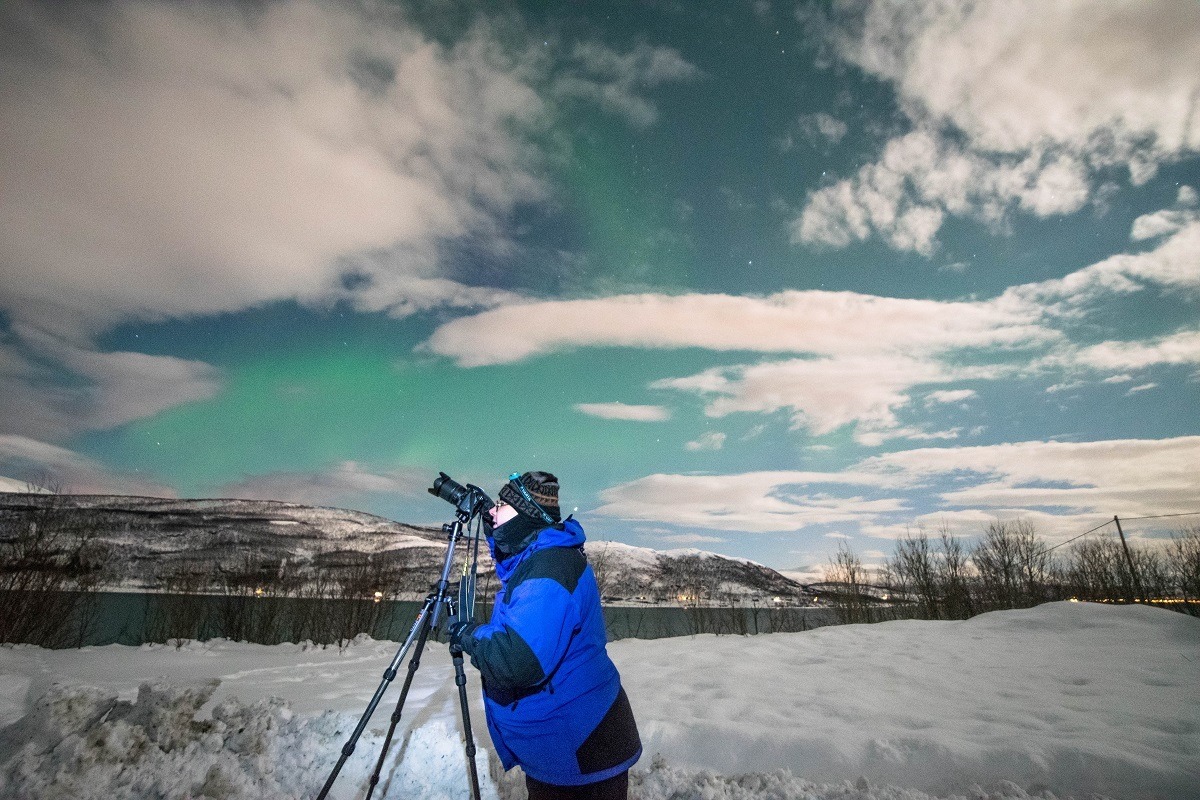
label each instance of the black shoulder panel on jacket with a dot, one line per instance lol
(562, 564)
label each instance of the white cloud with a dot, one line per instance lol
(166, 159)
(107, 389)
(756, 501)
(344, 485)
(867, 354)
(815, 322)
(26, 459)
(690, 539)
(1167, 221)
(1145, 387)
(1131, 477)
(623, 411)
(1090, 480)
(1161, 223)
(921, 178)
(1038, 95)
(713, 440)
(1178, 348)
(873, 436)
(1069, 72)
(821, 126)
(613, 80)
(822, 395)
(950, 396)
(1171, 265)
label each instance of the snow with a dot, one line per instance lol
(1068, 698)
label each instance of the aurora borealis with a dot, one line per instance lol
(757, 277)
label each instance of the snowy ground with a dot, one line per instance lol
(1070, 699)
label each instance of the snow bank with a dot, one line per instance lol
(1073, 698)
(1068, 699)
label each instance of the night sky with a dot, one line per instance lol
(761, 278)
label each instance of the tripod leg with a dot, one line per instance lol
(460, 680)
(413, 664)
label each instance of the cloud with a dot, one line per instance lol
(822, 395)
(1060, 485)
(755, 501)
(823, 127)
(1091, 76)
(104, 389)
(816, 322)
(864, 355)
(713, 440)
(690, 539)
(613, 80)
(950, 396)
(623, 411)
(1167, 221)
(167, 160)
(1129, 476)
(1180, 348)
(1170, 265)
(343, 485)
(1037, 98)
(25, 459)
(922, 178)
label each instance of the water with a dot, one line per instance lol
(131, 618)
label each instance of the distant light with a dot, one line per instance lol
(378, 596)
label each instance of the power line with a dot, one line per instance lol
(1110, 522)
(1162, 516)
(1068, 541)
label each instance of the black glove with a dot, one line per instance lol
(460, 633)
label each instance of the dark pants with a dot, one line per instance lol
(615, 788)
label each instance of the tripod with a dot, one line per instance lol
(427, 619)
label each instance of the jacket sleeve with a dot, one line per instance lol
(527, 637)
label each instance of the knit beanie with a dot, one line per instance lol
(542, 488)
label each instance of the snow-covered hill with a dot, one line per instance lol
(153, 539)
(689, 576)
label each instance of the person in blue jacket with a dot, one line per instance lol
(553, 697)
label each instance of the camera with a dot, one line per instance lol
(469, 499)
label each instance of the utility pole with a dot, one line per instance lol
(1137, 583)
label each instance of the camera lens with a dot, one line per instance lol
(467, 499)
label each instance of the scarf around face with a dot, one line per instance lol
(515, 535)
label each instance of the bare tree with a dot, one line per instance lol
(1184, 564)
(850, 600)
(916, 575)
(954, 577)
(1013, 565)
(51, 568)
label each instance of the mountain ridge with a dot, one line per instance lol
(154, 541)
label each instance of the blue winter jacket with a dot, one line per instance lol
(553, 697)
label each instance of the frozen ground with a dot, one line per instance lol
(1066, 699)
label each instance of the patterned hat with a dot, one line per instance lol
(542, 490)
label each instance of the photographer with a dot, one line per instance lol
(553, 697)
